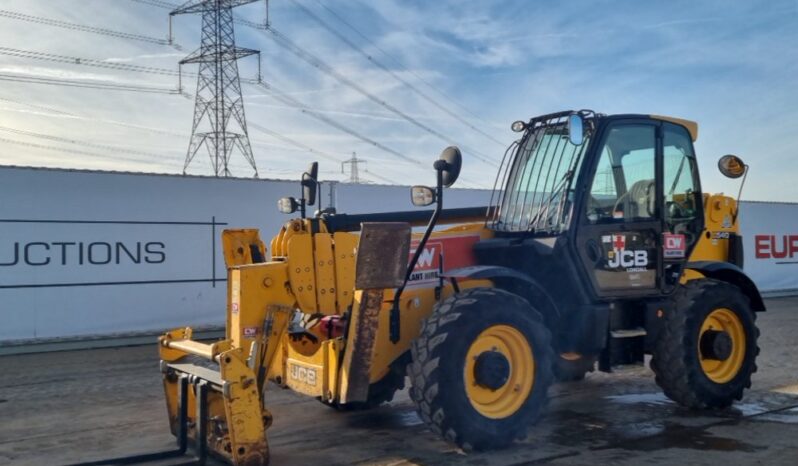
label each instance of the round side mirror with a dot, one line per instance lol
(576, 130)
(422, 196)
(731, 166)
(454, 161)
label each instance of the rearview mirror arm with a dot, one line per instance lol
(394, 321)
(302, 203)
(740, 193)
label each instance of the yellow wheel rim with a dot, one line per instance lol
(510, 397)
(724, 320)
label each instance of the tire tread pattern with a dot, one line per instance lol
(680, 379)
(425, 372)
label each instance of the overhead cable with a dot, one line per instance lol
(50, 137)
(82, 27)
(288, 100)
(391, 72)
(323, 66)
(400, 64)
(84, 84)
(87, 62)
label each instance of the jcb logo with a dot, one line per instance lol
(303, 374)
(628, 258)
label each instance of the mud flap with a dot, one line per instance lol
(360, 347)
(381, 263)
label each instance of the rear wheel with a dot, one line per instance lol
(481, 368)
(706, 351)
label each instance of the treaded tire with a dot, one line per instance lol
(675, 359)
(573, 370)
(437, 367)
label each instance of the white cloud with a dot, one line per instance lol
(733, 71)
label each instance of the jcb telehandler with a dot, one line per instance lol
(598, 247)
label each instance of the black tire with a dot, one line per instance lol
(675, 359)
(573, 370)
(380, 392)
(437, 368)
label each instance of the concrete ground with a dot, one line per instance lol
(61, 408)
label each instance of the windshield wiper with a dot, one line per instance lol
(544, 208)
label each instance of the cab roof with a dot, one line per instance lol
(691, 126)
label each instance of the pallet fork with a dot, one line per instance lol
(200, 446)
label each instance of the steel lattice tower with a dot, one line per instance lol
(354, 165)
(219, 120)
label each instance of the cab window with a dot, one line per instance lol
(680, 182)
(624, 188)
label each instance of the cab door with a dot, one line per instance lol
(620, 228)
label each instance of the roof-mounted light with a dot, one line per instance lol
(518, 126)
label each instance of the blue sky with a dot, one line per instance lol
(732, 66)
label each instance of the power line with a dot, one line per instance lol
(86, 61)
(39, 107)
(158, 3)
(99, 63)
(83, 84)
(283, 97)
(58, 113)
(389, 71)
(73, 151)
(321, 65)
(84, 28)
(401, 64)
(288, 100)
(70, 115)
(50, 137)
(304, 146)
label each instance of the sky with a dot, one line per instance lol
(399, 80)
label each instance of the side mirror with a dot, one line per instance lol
(309, 183)
(449, 163)
(287, 205)
(422, 196)
(576, 130)
(731, 166)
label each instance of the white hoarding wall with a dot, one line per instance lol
(98, 254)
(91, 253)
(770, 238)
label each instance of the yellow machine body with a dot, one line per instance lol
(285, 320)
(720, 225)
(309, 276)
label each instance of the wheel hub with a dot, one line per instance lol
(491, 370)
(716, 344)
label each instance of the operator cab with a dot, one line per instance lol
(616, 197)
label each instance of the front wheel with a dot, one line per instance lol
(481, 368)
(706, 351)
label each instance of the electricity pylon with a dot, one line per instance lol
(354, 172)
(219, 120)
